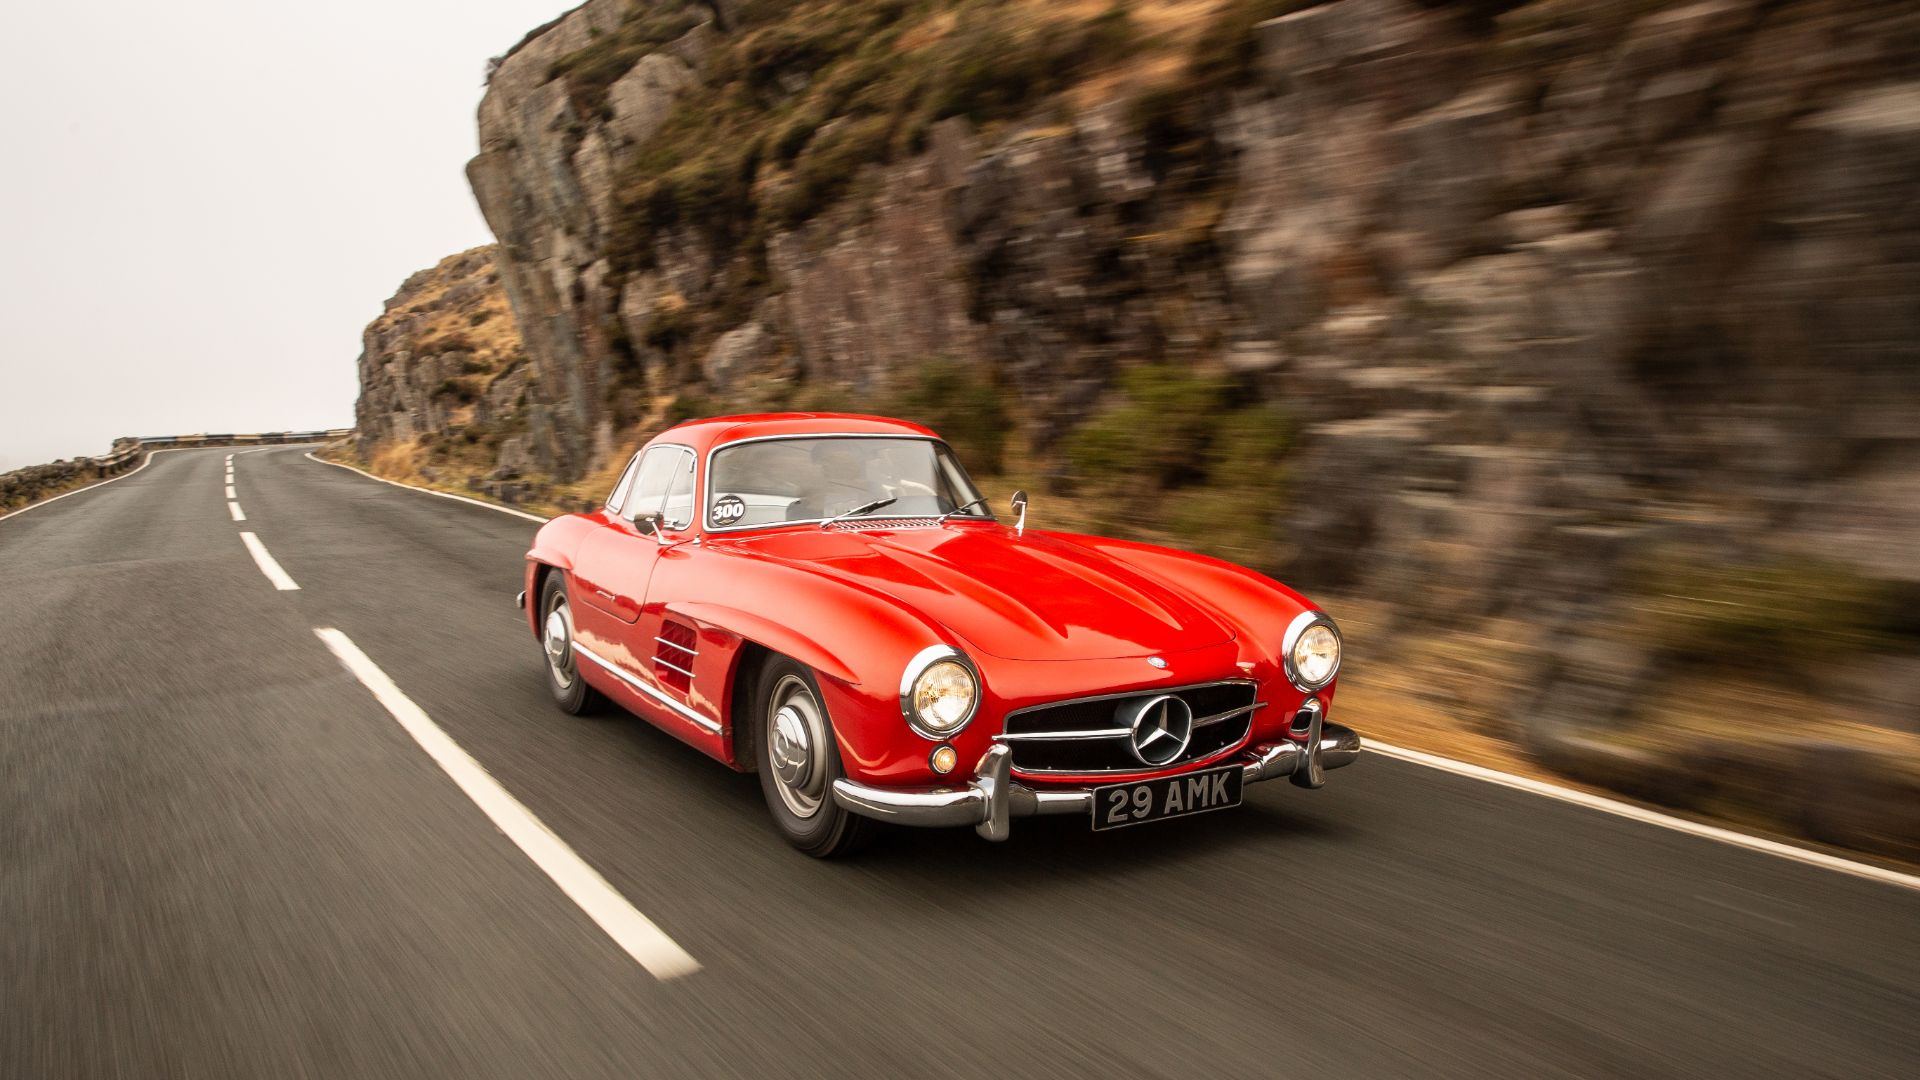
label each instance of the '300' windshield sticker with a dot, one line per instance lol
(728, 509)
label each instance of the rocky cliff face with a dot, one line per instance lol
(1592, 319)
(443, 373)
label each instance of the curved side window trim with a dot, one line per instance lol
(634, 509)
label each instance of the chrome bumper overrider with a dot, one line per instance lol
(993, 798)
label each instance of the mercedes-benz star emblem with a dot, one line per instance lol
(1161, 728)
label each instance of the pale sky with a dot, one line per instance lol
(202, 205)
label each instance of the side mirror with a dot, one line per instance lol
(1020, 508)
(653, 525)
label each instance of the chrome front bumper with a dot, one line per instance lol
(993, 798)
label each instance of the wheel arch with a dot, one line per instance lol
(537, 574)
(748, 661)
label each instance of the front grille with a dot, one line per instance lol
(1086, 736)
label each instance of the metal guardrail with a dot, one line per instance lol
(127, 452)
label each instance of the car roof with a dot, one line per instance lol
(703, 435)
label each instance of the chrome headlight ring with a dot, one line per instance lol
(909, 679)
(1297, 629)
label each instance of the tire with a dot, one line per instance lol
(798, 760)
(569, 690)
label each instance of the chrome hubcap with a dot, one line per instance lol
(559, 644)
(791, 748)
(794, 735)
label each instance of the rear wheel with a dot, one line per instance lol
(798, 761)
(569, 690)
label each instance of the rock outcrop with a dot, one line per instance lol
(1583, 316)
(445, 357)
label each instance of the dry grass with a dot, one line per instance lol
(400, 461)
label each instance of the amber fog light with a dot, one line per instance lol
(942, 759)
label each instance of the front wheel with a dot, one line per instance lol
(798, 761)
(569, 690)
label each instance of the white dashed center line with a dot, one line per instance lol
(234, 509)
(632, 931)
(267, 566)
(230, 492)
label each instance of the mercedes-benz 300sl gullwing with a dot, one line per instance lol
(828, 602)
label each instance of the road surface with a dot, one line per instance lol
(221, 855)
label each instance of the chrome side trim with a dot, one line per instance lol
(672, 667)
(612, 669)
(677, 645)
(1066, 736)
(1292, 637)
(923, 660)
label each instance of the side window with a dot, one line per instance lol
(664, 486)
(619, 497)
(678, 508)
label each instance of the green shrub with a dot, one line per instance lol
(1178, 452)
(1157, 433)
(829, 167)
(962, 402)
(1780, 615)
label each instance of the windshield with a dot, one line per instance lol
(772, 481)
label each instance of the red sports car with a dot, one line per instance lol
(826, 600)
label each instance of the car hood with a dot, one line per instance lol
(1018, 598)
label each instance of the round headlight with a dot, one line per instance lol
(940, 692)
(1312, 651)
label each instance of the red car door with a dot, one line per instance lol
(615, 562)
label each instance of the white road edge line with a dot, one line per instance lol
(632, 931)
(267, 566)
(234, 509)
(430, 491)
(1627, 810)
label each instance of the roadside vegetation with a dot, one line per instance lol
(37, 483)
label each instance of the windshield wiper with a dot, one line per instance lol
(964, 506)
(864, 508)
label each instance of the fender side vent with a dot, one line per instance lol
(675, 649)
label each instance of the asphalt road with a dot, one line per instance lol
(220, 856)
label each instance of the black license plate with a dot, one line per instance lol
(1116, 806)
